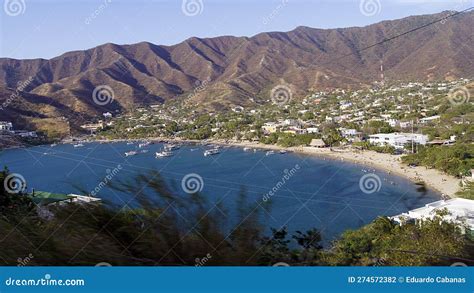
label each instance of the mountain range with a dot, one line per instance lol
(220, 72)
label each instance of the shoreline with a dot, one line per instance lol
(444, 184)
(434, 179)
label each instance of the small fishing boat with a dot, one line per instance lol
(144, 144)
(283, 152)
(171, 147)
(78, 145)
(53, 145)
(130, 143)
(268, 153)
(163, 154)
(211, 152)
(130, 153)
(246, 149)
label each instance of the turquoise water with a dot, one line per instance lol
(319, 193)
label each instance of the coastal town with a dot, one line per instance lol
(405, 121)
(396, 128)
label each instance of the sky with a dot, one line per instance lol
(48, 28)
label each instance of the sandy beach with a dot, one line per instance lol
(434, 179)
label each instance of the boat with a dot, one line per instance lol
(144, 144)
(171, 147)
(130, 153)
(283, 152)
(130, 143)
(246, 149)
(78, 145)
(163, 154)
(53, 145)
(211, 152)
(268, 153)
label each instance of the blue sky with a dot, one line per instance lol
(48, 28)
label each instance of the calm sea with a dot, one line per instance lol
(307, 191)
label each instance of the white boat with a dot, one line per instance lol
(283, 152)
(268, 153)
(130, 143)
(78, 145)
(130, 153)
(145, 144)
(53, 145)
(211, 152)
(246, 149)
(163, 154)
(171, 147)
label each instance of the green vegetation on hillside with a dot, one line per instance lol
(456, 160)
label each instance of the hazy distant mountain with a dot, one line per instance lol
(231, 70)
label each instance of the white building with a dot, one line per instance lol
(461, 211)
(393, 122)
(397, 140)
(430, 119)
(107, 115)
(6, 126)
